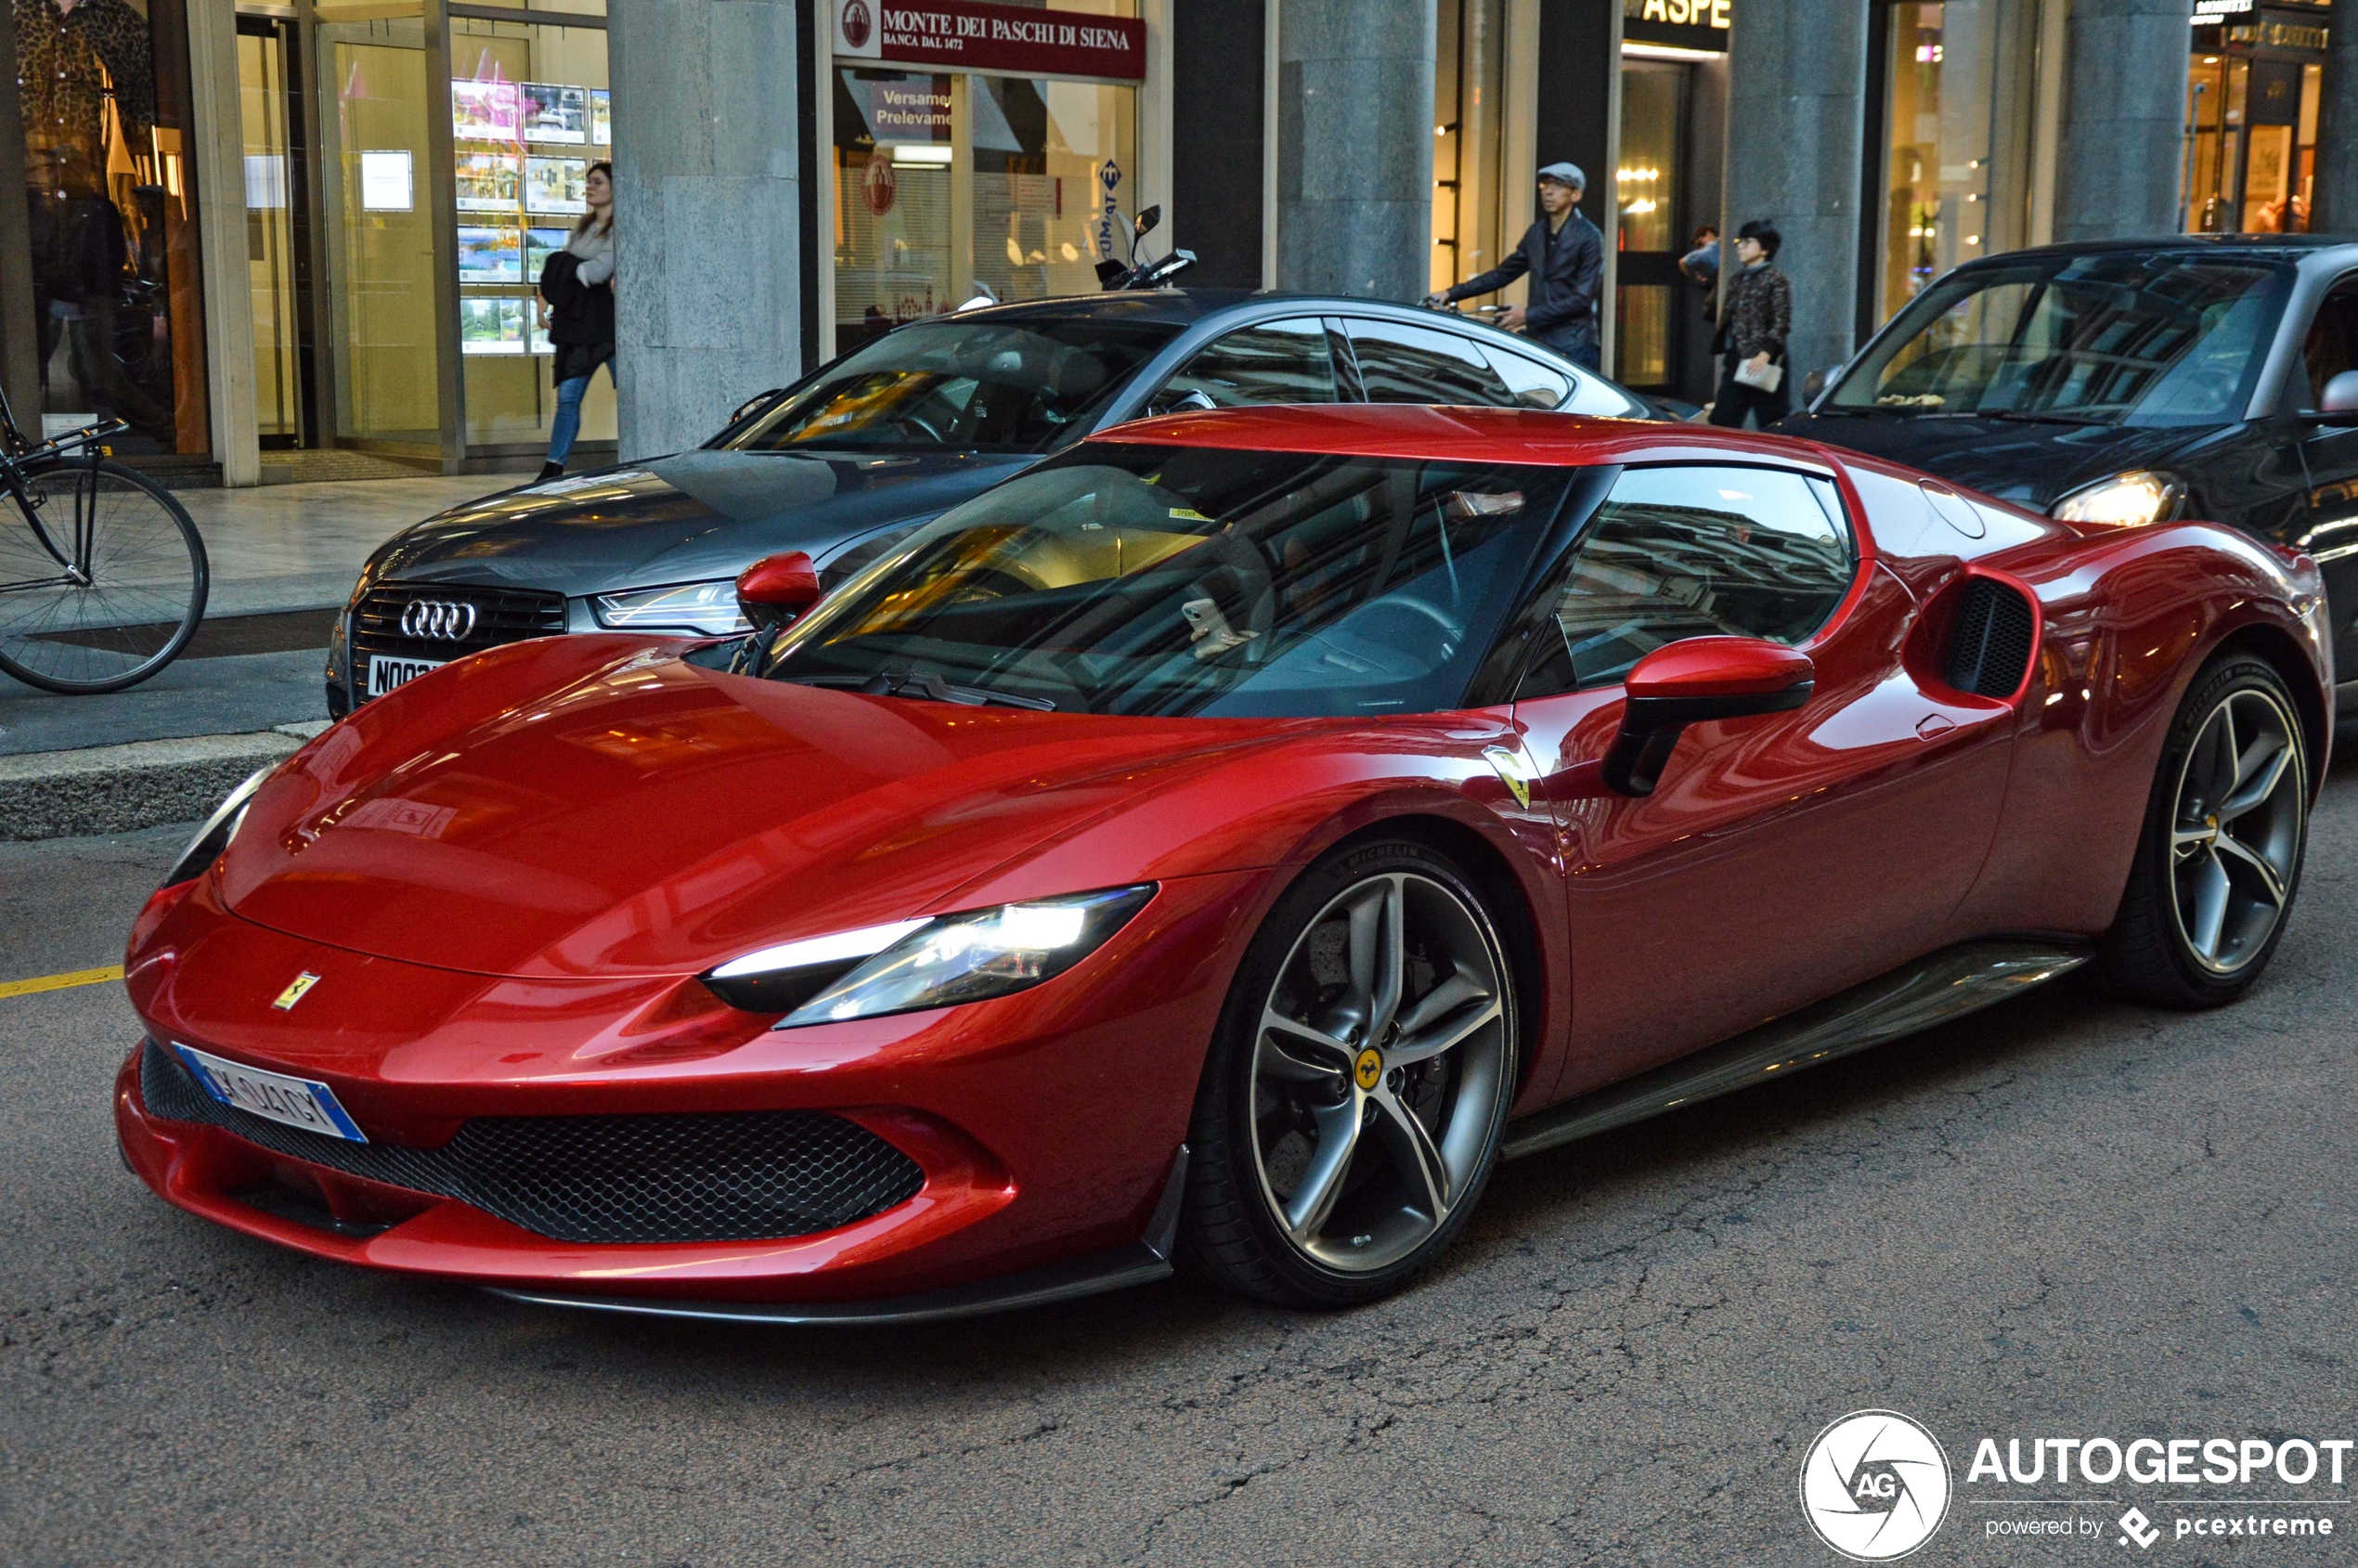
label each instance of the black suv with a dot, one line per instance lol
(2134, 380)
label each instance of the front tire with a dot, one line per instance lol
(2225, 832)
(1351, 1109)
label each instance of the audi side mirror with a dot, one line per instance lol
(2338, 403)
(776, 589)
(1688, 683)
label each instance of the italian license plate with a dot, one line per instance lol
(297, 1102)
(384, 673)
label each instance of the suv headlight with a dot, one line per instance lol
(2126, 501)
(711, 608)
(916, 965)
(219, 828)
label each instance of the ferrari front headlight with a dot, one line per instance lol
(219, 828)
(708, 607)
(912, 966)
(2126, 501)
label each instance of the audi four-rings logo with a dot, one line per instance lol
(444, 620)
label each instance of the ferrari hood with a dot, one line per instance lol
(595, 805)
(2031, 465)
(694, 516)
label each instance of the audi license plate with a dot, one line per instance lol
(298, 1101)
(384, 674)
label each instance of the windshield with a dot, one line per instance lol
(961, 385)
(2116, 338)
(1186, 580)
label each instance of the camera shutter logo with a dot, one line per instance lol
(1874, 1485)
(442, 619)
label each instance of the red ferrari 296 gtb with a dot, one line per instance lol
(1215, 848)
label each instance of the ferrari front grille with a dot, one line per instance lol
(753, 1175)
(1990, 641)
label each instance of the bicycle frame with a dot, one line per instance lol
(22, 459)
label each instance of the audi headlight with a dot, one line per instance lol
(219, 828)
(2126, 501)
(711, 608)
(914, 964)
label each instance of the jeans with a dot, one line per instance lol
(567, 424)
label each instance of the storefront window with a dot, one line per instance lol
(530, 114)
(1653, 112)
(1467, 86)
(1958, 78)
(381, 293)
(109, 218)
(2251, 141)
(273, 181)
(951, 185)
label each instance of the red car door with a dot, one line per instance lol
(1782, 857)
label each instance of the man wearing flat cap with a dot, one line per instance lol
(1565, 256)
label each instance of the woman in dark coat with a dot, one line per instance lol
(576, 307)
(1754, 320)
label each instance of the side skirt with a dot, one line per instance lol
(1141, 1262)
(1948, 984)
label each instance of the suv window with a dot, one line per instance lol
(2333, 339)
(1399, 363)
(1276, 362)
(1695, 552)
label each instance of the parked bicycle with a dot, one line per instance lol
(105, 583)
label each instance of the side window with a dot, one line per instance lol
(1533, 385)
(2333, 340)
(1594, 395)
(1275, 362)
(1693, 552)
(1399, 363)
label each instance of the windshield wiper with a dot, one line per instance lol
(926, 683)
(2020, 416)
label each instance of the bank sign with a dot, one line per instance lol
(1693, 24)
(966, 35)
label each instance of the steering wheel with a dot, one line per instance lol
(1375, 612)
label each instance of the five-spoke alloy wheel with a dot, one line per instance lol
(1351, 1108)
(2223, 841)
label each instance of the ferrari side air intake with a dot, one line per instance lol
(1990, 641)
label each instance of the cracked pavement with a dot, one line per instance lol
(2061, 1216)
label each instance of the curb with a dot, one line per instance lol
(137, 784)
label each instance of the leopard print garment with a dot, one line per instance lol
(69, 63)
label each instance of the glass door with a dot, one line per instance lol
(377, 172)
(1646, 320)
(277, 235)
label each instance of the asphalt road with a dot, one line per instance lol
(2063, 1217)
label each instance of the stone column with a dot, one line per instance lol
(2124, 118)
(1796, 133)
(1355, 147)
(2333, 205)
(707, 264)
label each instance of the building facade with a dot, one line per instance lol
(278, 234)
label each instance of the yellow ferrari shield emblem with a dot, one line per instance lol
(1369, 1067)
(296, 991)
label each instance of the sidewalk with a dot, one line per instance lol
(284, 558)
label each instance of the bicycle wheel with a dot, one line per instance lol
(102, 582)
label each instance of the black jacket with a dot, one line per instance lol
(1567, 273)
(578, 312)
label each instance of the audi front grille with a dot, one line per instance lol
(444, 621)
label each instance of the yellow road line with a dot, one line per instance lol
(61, 983)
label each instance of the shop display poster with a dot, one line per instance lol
(555, 113)
(490, 253)
(489, 182)
(600, 117)
(555, 185)
(492, 325)
(484, 110)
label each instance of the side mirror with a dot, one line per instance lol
(777, 589)
(1817, 381)
(1147, 221)
(1703, 678)
(2338, 403)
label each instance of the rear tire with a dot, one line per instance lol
(1352, 1107)
(2220, 856)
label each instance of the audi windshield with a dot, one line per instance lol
(963, 386)
(2112, 338)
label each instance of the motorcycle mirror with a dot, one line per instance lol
(1147, 221)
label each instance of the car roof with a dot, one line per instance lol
(1463, 434)
(1184, 307)
(2253, 247)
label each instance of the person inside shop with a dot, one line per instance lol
(1699, 267)
(1755, 318)
(75, 60)
(576, 311)
(1564, 255)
